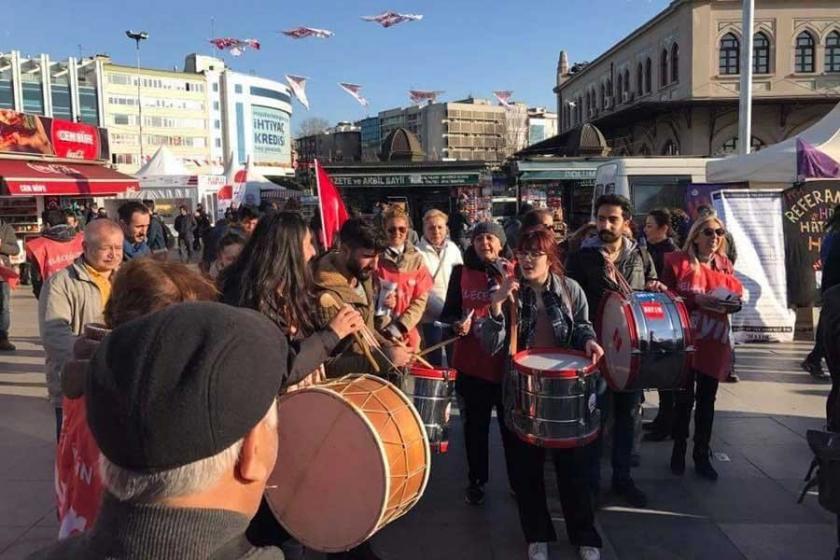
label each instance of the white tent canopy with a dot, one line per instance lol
(163, 163)
(777, 163)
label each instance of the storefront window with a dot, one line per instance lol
(61, 101)
(33, 94)
(88, 109)
(6, 98)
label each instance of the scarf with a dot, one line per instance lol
(557, 306)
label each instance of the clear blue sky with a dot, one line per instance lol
(462, 46)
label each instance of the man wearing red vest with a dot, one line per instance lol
(57, 247)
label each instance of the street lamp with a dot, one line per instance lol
(138, 36)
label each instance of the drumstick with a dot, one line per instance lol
(434, 347)
(514, 325)
(416, 355)
(329, 301)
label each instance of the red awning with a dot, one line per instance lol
(32, 177)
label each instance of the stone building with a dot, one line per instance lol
(671, 86)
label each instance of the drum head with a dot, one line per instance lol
(552, 362)
(330, 484)
(617, 333)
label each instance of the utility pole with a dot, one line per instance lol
(137, 37)
(745, 107)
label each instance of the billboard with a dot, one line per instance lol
(271, 137)
(44, 136)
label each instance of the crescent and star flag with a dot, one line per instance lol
(356, 91)
(298, 86)
(333, 211)
(303, 32)
(418, 97)
(235, 46)
(388, 19)
(504, 98)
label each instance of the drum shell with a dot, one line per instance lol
(431, 393)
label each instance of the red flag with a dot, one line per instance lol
(333, 211)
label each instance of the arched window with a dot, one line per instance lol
(730, 54)
(761, 54)
(640, 84)
(804, 57)
(588, 105)
(832, 52)
(663, 68)
(620, 88)
(757, 143)
(675, 63)
(579, 109)
(648, 75)
(609, 87)
(627, 84)
(645, 151)
(603, 98)
(670, 149)
(731, 145)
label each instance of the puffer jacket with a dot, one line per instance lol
(441, 263)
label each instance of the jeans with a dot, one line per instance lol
(704, 416)
(622, 407)
(431, 336)
(570, 466)
(5, 309)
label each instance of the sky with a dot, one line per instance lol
(463, 47)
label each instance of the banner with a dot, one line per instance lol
(271, 136)
(754, 217)
(806, 207)
(44, 136)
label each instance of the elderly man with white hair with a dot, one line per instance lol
(74, 297)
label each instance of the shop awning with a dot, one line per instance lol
(31, 178)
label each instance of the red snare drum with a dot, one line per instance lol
(431, 392)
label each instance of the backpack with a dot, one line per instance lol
(826, 448)
(168, 240)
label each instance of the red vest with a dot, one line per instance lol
(51, 256)
(469, 357)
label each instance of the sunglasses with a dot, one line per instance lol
(708, 232)
(397, 229)
(529, 255)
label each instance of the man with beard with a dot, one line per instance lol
(135, 219)
(346, 276)
(596, 268)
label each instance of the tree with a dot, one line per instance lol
(310, 126)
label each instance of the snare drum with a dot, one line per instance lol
(554, 398)
(352, 457)
(431, 391)
(647, 341)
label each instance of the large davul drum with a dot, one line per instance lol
(353, 456)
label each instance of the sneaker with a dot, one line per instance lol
(732, 378)
(630, 493)
(815, 369)
(589, 553)
(6, 346)
(538, 551)
(475, 494)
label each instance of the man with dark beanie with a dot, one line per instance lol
(182, 406)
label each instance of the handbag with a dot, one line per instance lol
(826, 463)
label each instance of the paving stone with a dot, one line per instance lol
(778, 542)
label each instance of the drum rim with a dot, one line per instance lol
(635, 362)
(447, 374)
(589, 369)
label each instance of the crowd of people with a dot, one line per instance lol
(146, 357)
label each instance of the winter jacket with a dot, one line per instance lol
(8, 244)
(830, 322)
(54, 250)
(135, 250)
(185, 226)
(155, 238)
(658, 251)
(413, 281)
(71, 300)
(831, 267)
(440, 266)
(588, 267)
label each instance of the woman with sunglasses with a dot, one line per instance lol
(552, 313)
(703, 275)
(404, 282)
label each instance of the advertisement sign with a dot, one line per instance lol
(271, 136)
(806, 208)
(754, 218)
(451, 179)
(44, 136)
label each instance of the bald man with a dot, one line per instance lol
(74, 297)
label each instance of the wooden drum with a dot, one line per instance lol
(353, 456)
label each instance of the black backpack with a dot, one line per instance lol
(167, 235)
(826, 448)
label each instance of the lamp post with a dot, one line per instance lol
(745, 104)
(138, 36)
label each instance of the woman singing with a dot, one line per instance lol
(703, 275)
(552, 313)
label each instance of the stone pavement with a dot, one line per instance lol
(750, 513)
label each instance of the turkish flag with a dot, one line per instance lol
(333, 211)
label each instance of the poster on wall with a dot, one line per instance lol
(754, 217)
(22, 133)
(806, 209)
(271, 137)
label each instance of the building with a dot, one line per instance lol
(542, 124)
(671, 87)
(38, 85)
(371, 138)
(174, 110)
(339, 144)
(249, 117)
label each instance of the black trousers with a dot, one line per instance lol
(571, 466)
(477, 399)
(665, 416)
(705, 394)
(818, 352)
(621, 406)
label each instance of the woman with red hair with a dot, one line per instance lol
(552, 312)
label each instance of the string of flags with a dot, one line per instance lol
(354, 90)
(298, 86)
(389, 19)
(304, 32)
(235, 46)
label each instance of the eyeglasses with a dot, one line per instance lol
(393, 230)
(708, 232)
(529, 255)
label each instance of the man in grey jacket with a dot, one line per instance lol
(8, 248)
(74, 297)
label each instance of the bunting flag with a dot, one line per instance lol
(504, 98)
(235, 46)
(388, 19)
(303, 32)
(298, 87)
(240, 181)
(418, 97)
(354, 90)
(333, 211)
